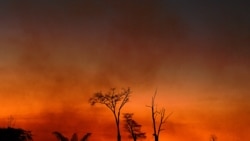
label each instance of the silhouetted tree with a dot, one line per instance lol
(15, 134)
(161, 116)
(133, 127)
(74, 137)
(114, 101)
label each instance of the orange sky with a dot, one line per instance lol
(54, 56)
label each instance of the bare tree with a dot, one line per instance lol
(160, 115)
(133, 127)
(114, 101)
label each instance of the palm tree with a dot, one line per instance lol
(74, 137)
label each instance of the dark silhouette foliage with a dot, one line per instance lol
(15, 134)
(85, 137)
(114, 101)
(133, 127)
(60, 136)
(74, 137)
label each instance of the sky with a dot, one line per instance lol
(54, 55)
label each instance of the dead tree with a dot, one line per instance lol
(159, 115)
(133, 127)
(114, 101)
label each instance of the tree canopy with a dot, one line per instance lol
(133, 127)
(114, 100)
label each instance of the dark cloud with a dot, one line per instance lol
(114, 33)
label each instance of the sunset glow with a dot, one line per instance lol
(55, 55)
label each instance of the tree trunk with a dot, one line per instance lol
(156, 138)
(117, 121)
(118, 136)
(118, 130)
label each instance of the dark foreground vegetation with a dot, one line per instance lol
(15, 134)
